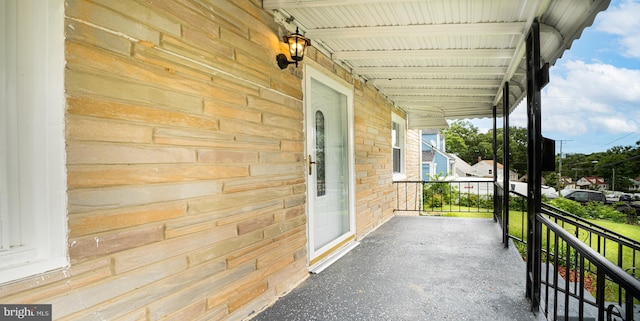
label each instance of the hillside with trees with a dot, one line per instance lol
(617, 165)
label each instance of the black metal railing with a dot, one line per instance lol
(587, 272)
(579, 282)
(574, 282)
(444, 196)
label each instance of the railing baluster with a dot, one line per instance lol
(546, 279)
(581, 295)
(567, 276)
(620, 265)
(600, 284)
(556, 263)
(629, 307)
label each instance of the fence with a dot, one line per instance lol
(444, 196)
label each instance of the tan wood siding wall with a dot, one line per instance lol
(185, 169)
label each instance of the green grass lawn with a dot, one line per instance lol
(459, 211)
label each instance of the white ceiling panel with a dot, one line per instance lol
(439, 59)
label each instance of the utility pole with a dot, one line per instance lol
(560, 163)
(613, 180)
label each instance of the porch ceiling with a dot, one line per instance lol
(439, 59)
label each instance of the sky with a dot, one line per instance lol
(592, 102)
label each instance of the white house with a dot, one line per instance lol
(484, 168)
(592, 182)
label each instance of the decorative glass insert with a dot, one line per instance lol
(320, 163)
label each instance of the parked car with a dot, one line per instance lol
(628, 205)
(612, 197)
(549, 192)
(625, 198)
(583, 195)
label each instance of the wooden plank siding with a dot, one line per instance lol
(185, 163)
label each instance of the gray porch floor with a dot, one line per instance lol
(416, 268)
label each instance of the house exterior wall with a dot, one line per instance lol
(439, 165)
(442, 162)
(426, 171)
(185, 163)
(484, 169)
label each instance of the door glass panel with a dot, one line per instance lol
(320, 178)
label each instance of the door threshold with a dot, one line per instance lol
(333, 257)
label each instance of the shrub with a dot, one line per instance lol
(517, 203)
(605, 212)
(434, 200)
(468, 200)
(486, 202)
(570, 206)
(591, 210)
(439, 193)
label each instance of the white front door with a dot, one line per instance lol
(329, 110)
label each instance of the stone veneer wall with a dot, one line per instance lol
(186, 183)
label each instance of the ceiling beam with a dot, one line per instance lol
(412, 31)
(412, 72)
(425, 54)
(297, 4)
(446, 107)
(435, 82)
(439, 99)
(440, 92)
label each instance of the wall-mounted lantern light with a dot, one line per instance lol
(297, 46)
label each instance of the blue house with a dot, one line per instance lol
(435, 161)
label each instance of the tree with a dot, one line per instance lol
(472, 145)
(517, 147)
(624, 160)
(464, 140)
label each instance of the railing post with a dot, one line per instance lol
(505, 164)
(534, 175)
(496, 206)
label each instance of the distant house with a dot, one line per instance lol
(460, 167)
(567, 182)
(484, 168)
(592, 182)
(635, 184)
(435, 161)
(524, 179)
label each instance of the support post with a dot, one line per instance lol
(534, 166)
(506, 186)
(496, 206)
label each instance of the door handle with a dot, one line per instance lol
(310, 163)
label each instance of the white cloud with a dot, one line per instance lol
(591, 98)
(623, 22)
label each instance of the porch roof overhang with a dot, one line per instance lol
(439, 60)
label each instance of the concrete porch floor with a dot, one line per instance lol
(416, 268)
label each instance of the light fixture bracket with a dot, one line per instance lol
(283, 61)
(297, 44)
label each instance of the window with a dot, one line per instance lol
(398, 129)
(32, 170)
